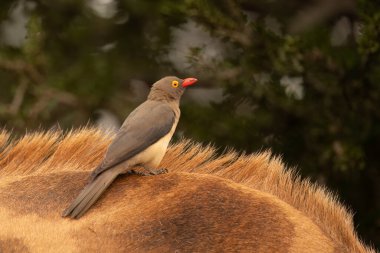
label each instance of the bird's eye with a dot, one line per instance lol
(175, 84)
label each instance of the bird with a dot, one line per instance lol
(142, 141)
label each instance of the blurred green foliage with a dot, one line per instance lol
(288, 84)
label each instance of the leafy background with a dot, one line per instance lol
(299, 77)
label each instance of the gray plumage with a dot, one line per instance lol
(144, 126)
(141, 140)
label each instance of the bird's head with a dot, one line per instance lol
(172, 86)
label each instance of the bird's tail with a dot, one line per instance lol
(90, 194)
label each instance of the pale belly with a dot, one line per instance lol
(152, 156)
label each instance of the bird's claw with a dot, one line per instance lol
(160, 171)
(149, 172)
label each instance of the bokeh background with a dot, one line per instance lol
(299, 77)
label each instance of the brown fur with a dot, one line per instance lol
(245, 203)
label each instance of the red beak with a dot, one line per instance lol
(189, 81)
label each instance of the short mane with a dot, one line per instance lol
(83, 149)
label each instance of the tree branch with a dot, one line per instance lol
(22, 67)
(18, 98)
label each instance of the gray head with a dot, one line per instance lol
(170, 88)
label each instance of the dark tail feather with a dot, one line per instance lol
(90, 194)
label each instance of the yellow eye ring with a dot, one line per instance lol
(175, 84)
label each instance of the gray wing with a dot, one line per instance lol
(144, 126)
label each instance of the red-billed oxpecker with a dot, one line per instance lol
(141, 141)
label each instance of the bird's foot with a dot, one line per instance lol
(158, 171)
(149, 172)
